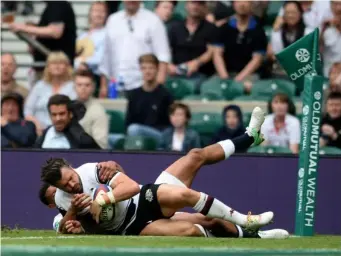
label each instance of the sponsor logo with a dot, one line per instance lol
(149, 195)
(301, 173)
(302, 55)
(305, 110)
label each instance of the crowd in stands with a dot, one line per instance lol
(142, 52)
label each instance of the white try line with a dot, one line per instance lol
(49, 237)
(176, 250)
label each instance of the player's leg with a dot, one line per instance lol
(172, 198)
(167, 227)
(186, 168)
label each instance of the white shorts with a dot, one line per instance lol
(167, 178)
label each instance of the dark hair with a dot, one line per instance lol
(149, 58)
(282, 97)
(59, 99)
(334, 96)
(182, 106)
(42, 193)
(174, 3)
(300, 24)
(85, 73)
(51, 171)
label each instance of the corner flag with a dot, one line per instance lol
(298, 58)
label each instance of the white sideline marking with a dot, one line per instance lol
(48, 237)
(39, 249)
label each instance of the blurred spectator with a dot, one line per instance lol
(191, 42)
(331, 122)
(131, 33)
(57, 79)
(65, 131)
(243, 45)
(16, 132)
(179, 137)
(147, 112)
(334, 81)
(220, 11)
(90, 44)
(95, 122)
(56, 30)
(314, 13)
(11, 6)
(331, 38)
(233, 124)
(112, 6)
(292, 29)
(165, 11)
(8, 82)
(281, 128)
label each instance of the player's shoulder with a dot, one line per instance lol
(87, 167)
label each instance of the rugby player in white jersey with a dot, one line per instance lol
(211, 227)
(141, 210)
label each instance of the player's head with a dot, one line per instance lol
(46, 195)
(58, 172)
(60, 109)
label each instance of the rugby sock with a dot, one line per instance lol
(239, 143)
(249, 234)
(213, 208)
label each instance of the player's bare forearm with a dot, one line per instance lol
(124, 188)
(71, 214)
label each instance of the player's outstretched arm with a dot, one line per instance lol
(108, 169)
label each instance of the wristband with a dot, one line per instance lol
(105, 198)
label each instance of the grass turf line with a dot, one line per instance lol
(42, 237)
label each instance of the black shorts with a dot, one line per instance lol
(148, 210)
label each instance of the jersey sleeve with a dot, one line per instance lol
(56, 222)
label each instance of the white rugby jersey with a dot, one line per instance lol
(88, 174)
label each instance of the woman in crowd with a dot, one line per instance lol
(233, 124)
(281, 128)
(179, 137)
(57, 79)
(292, 29)
(90, 44)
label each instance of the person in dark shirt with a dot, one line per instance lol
(16, 132)
(331, 122)
(233, 125)
(192, 42)
(243, 45)
(147, 112)
(56, 30)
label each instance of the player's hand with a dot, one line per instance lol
(107, 170)
(80, 202)
(74, 227)
(95, 210)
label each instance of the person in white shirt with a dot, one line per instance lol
(331, 38)
(129, 34)
(315, 12)
(281, 128)
(90, 44)
(292, 29)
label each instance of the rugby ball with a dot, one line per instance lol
(108, 211)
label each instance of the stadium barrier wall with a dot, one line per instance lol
(256, 183)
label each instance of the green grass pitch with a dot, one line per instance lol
(28, 242)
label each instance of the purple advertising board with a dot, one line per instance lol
(255, 183)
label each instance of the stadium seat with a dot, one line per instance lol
(269, 150)
(204, 98)
(228, 89)
(180, 87)
(269, 87)
(206, 124)
(272, 12)
(139, 143)
(246, 118)
(330, 151)
(116, 121)
(119, 144)
(252, 98)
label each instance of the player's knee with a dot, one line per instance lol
(197, 155)
(186, 195)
